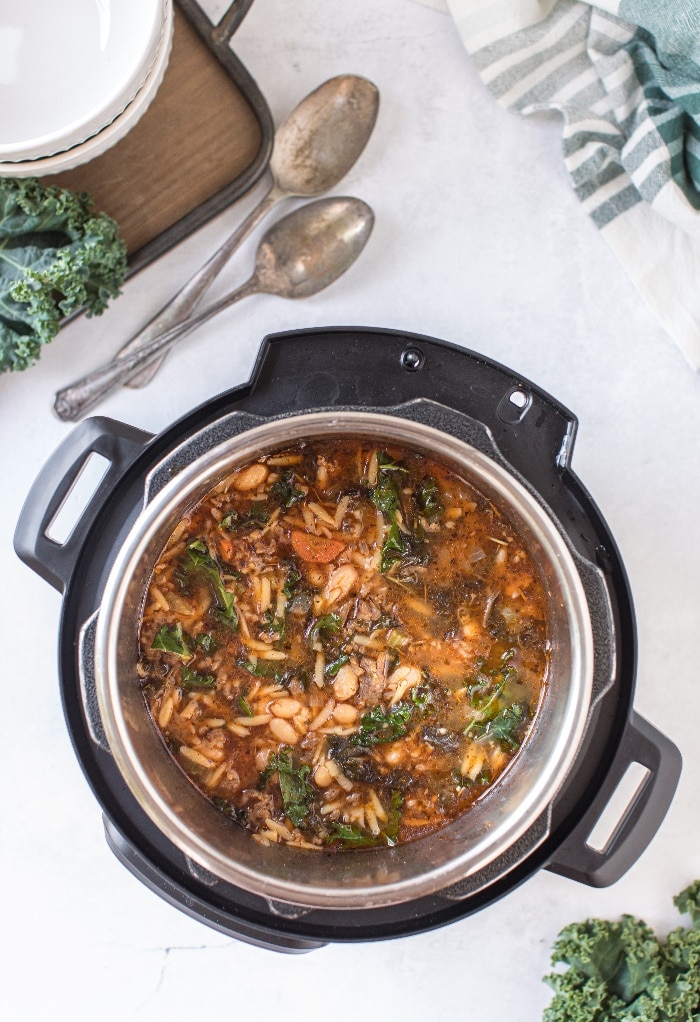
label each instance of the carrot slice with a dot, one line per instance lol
(315, 548)
(226, 548)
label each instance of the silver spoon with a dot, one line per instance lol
(299, 255)
(315, 147)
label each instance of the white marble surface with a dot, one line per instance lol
(479, 240)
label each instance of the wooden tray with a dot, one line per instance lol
(202, 143)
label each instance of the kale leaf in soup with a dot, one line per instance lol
(344, 645)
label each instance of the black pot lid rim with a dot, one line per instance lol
(456, 374)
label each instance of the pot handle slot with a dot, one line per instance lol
(120, 445)
(577, 858)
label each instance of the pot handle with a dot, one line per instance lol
(115, 441)
(205, 910)
(576, 858)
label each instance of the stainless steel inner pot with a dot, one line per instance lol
(356, 879)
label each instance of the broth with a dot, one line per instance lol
(344, 646)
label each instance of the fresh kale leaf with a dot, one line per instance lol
(378, 727)
(297, 792)
(57, 255)
(620, 971)
(688, 903)
(173, 640)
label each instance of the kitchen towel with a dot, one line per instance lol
(625, 75)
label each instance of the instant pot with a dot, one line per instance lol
(518, 442)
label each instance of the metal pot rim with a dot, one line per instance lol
(195, 480)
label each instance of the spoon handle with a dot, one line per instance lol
(77, 398)
(183, 304)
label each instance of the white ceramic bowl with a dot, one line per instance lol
(69, 68)
(113, 132)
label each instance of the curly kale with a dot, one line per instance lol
(623, 971)
(56, 256)
(688, 903)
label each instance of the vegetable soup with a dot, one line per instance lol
(344, 646)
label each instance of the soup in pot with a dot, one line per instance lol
(343, 645)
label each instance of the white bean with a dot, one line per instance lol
(285, 708)
(344, 713)
(346, 684)
(322, 776)
(250, 478)
(283, 731)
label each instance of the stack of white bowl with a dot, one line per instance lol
(75, 77)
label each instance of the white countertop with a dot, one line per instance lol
(479, 240)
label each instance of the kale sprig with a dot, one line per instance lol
(237, 521)
(297, 792)
(173, 640)
(392, 549)
(284, 492)
(57, 255)
(378, 727)
(620, 971)
(195, 679)
(428, 499)
(385, 495)
(402, 547)
(506, 727)
(321, 625)
(199, 559)
(348, 835)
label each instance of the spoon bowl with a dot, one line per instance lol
(297, 257)
(307, 250)
(313, 149)
(324, 136)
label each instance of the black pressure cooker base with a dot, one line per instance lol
(300, 372)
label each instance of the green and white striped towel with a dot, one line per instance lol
(625, 75)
